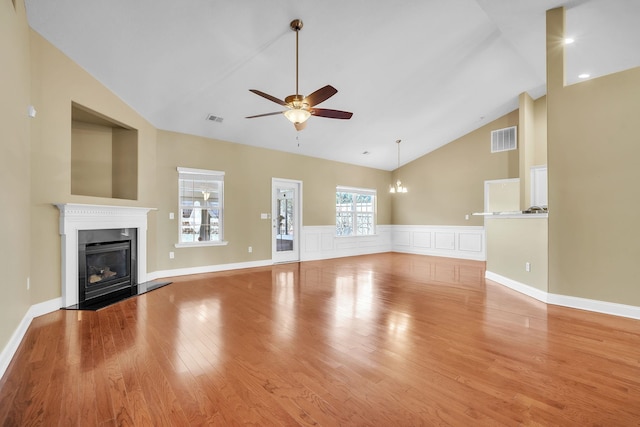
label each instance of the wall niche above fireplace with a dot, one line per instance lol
(104, 155)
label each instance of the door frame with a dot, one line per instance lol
(293, 255)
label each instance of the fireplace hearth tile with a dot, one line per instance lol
(115, 297)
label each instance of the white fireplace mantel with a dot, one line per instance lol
(75, 217)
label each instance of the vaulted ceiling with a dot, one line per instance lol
(425, 72)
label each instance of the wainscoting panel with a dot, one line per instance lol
(446, 241)
(402, 238)
(320, 242)
(421, 240)
(471, 242)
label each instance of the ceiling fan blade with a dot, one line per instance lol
(264, 115)
(320, 95)
(300, 126)
(269, 97)
(331, 114)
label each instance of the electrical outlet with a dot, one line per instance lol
(527, 266)
(171, 255)
(250, 249)
(171, 215)
(466, 217)
(28, 283)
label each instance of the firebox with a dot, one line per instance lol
(106, 263)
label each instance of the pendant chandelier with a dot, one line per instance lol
(398, 187)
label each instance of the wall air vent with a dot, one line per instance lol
(504, 139)
(213, 118)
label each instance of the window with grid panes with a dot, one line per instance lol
(201, 206)
(355, 211)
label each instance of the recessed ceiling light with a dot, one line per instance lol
(584, 76)
(568, 40)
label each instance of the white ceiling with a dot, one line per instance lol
(423, 71)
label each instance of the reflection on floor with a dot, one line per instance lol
(376, 340)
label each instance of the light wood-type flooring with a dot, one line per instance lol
(379, 340)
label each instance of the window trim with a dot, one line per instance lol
(214, 175)
(360, 191)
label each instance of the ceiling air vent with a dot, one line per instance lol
(504, 139)
(213, 118)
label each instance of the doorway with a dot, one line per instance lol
(286, 218)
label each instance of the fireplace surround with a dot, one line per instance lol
(80, 217)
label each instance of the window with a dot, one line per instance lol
(200, 206)
(355, 211)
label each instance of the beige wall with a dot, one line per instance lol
(91, 160)
(248, 173)
(540, 131)
(594, 152)
(15, 167)
(448, 183)
(512, 242)
(56, 82)
(125, 164)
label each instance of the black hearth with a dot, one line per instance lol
(106, 264)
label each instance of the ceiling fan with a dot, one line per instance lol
(300, 107)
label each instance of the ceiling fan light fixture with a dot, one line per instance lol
(297, 115)
(301, 107)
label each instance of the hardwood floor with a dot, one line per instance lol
(382, 340)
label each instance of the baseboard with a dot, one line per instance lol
(206, 269)
(15, 340)
(605, 307)
(518, 286)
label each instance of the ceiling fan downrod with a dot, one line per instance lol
(296, 25)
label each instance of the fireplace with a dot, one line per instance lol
(106, 263)
(98, 227)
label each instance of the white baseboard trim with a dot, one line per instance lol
(517, 286)
(597, 306)
(15, 340)
(605, 307)
(207, 269)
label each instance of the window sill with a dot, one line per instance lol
(200, 244)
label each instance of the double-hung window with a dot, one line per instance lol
(355, 211)
(201, 205)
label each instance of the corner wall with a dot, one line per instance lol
(448, 183)
(56, 82)
(593, 151)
